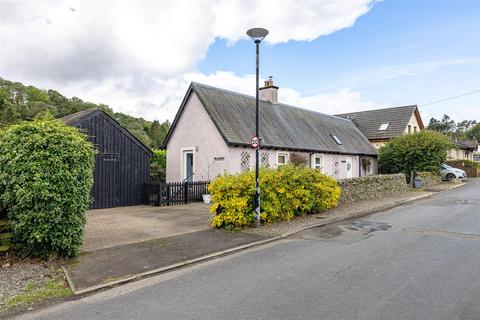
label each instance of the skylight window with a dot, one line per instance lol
(384, 126)
(334, 137)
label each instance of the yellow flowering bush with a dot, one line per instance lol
(284, 193)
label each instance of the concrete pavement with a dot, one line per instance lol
(417, 261)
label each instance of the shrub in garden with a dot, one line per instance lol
(45, 181)
(422, 151)
(285, 192)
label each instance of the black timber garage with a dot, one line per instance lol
(122, 162)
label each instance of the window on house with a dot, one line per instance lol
(409, 128)
(334, 137)
(318, 162)
(415, 129)
(368, 166)
(282, 158)
(384, 126)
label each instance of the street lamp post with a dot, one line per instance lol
(257, 35)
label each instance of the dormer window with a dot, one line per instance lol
(334, 137)
(384, 126)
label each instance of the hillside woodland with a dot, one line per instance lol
(19, 102)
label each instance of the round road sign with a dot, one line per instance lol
(255, 142)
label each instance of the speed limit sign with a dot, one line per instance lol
(255, 142)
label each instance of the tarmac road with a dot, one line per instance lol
(417, 261)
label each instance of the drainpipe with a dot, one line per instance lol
(360, 166)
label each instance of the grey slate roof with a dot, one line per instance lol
(76, 119)
(467, 144)
(370, 121)
(281, 126)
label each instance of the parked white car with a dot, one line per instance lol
(449, 173)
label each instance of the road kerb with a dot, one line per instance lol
(160, 270)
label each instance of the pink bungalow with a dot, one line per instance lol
(212, 131)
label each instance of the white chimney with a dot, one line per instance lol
(269, 92)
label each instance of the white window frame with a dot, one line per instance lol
(183, 169)
(282, 153)
(322, 163)
(384, 126)
(336, 139)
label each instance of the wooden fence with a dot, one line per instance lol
(174, 193)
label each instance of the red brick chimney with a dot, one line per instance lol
(269, 92)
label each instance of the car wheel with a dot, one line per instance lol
(450, 176)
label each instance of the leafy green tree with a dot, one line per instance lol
(460, 130)
(46, 174)
(158, 165)
(9, 113)
(445, 125)
(34, 94)
(423, 151)
(19, 102)
(158, 132)
(474, 132)
(464, 126)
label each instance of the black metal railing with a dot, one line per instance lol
(174, 193)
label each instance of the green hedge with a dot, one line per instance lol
(285, 192)
(422, 151)
(45, 181)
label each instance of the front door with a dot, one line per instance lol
(188, 166)
(349, 164)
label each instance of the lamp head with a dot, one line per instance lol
(257, 34)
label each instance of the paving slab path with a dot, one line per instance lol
(107, 228)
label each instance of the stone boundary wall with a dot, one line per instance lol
(429, 178)
(372, 187)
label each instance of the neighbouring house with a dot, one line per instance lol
(122, 162)
(380, 125)
(213, 128)
(463, 150)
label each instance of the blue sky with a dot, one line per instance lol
(399, 53)
(331, 56)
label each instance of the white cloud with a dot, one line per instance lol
(340, 101)
(138, 56)
(161, 99)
